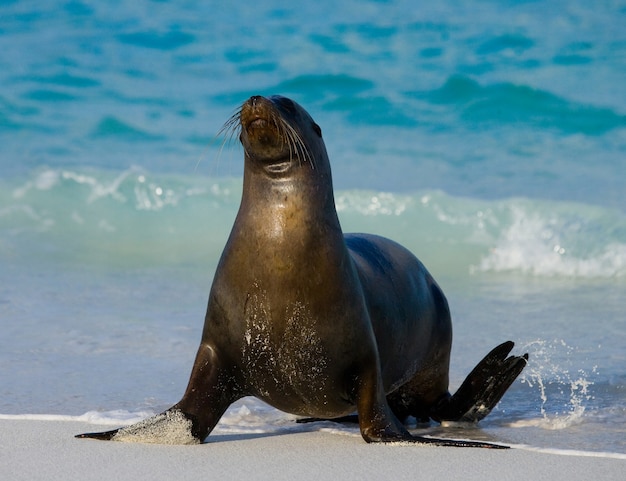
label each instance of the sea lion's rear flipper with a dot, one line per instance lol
(483, 388)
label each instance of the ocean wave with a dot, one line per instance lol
(112, 127)
(46, 95)
(65, 80)
(136, 214)
(461, 99)
(576, 241)
(170, 40)
(117, 218)
(515, 42)
(523, 236)
(508, 103)
(315, 85)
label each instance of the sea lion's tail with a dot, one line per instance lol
(483, 388)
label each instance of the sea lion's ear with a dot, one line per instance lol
(317, 129)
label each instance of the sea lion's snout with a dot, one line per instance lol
(261, 134)
(274, 131)
(255, 112)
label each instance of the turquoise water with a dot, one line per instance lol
(488, 137)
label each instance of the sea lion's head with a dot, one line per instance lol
(278, 135)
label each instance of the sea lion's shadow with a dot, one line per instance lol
(463, 434)
(231, 437)
(349, 429)
(226, 438)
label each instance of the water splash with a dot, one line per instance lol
(563, 393)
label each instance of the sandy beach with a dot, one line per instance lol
(32, 450)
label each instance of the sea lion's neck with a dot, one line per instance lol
(274, 207)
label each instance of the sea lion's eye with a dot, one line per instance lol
(317, 129)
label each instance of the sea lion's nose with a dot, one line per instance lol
(255, 99)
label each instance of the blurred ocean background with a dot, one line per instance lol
(489, 137)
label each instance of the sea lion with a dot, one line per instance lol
(314, 322)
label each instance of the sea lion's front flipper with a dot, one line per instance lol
(190, 420)
(169, 427)
(483, 388)
(103, 436)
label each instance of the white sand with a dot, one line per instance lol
(47, 450)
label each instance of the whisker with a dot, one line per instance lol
(229, 130)
(299, 146)
(291, 141)
(288, 141)
(232, 125)
(283, 133)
